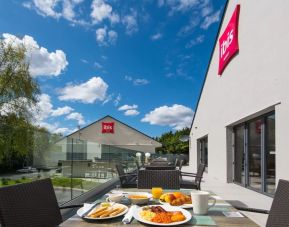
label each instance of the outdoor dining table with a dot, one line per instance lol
(215, 216)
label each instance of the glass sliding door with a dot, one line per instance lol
(270, 154)
(239, 156)
(254, 153)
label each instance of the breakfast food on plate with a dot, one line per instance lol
(137, 197)
(160, 215)
(106, 211)
(176, 198)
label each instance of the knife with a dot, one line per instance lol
(90, 209)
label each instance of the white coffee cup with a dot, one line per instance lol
(200, 200)
(114, 198)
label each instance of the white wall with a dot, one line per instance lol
(257, 78)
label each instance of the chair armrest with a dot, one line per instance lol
(191, 174)
(252, 210)
(70, 206)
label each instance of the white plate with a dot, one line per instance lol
(81, 211)
(186, 213)
(184, 206)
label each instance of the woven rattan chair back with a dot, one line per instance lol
(279, 212)
(167, 179)
(31, 205)
(199, 175)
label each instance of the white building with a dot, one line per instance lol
(112, 132)
(242, 116)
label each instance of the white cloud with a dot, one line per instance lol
(157, 36)
(127, 107)
(112, 36)
(43, 111)
(131, 113)
(61, 111)
(101, 35)
(46, 8)
(179, 5)
(62, 131)
(130, 23)
(129, 110)
(198, 40)
(89, 92)
(43, 108)
(56, 9)
(98, 65)
(137, 81)
(128, 78)
(101, 11)
(140, 82)
(211, 19)
(105, 38)
(117, 100)
(176, 116)
(54, 128)
(76, 116)
(189, 28)
(42, 62)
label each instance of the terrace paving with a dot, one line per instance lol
(236, 193)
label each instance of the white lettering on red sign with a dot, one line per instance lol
(228, 42)
(107, 127)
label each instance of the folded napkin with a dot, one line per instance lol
(128, 217)
(86, 207)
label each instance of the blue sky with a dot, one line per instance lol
(142, 62)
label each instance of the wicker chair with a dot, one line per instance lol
(279, 212)
(127, 180)
(160, 168)
(31, 205)
(193, 184)
(167, 179)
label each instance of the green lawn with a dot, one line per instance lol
(57, 182)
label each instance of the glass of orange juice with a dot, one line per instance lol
(157, 192)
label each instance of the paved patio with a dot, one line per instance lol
(238, 195)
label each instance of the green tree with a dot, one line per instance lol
(16, 142)
(18, 90)
(172, 144)
(18, 96)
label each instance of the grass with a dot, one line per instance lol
(56, 181)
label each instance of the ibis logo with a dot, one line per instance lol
(107, 127)
(228, 42)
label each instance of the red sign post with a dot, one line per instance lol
(107, 127)
(228, 42)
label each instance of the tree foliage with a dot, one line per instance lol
(18, 96)
(18, 90)
(172, 144)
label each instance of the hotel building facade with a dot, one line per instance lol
(242, 117)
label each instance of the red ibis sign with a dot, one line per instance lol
(107, 127)
(228, 42)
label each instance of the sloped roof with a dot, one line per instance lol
(156, 143)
